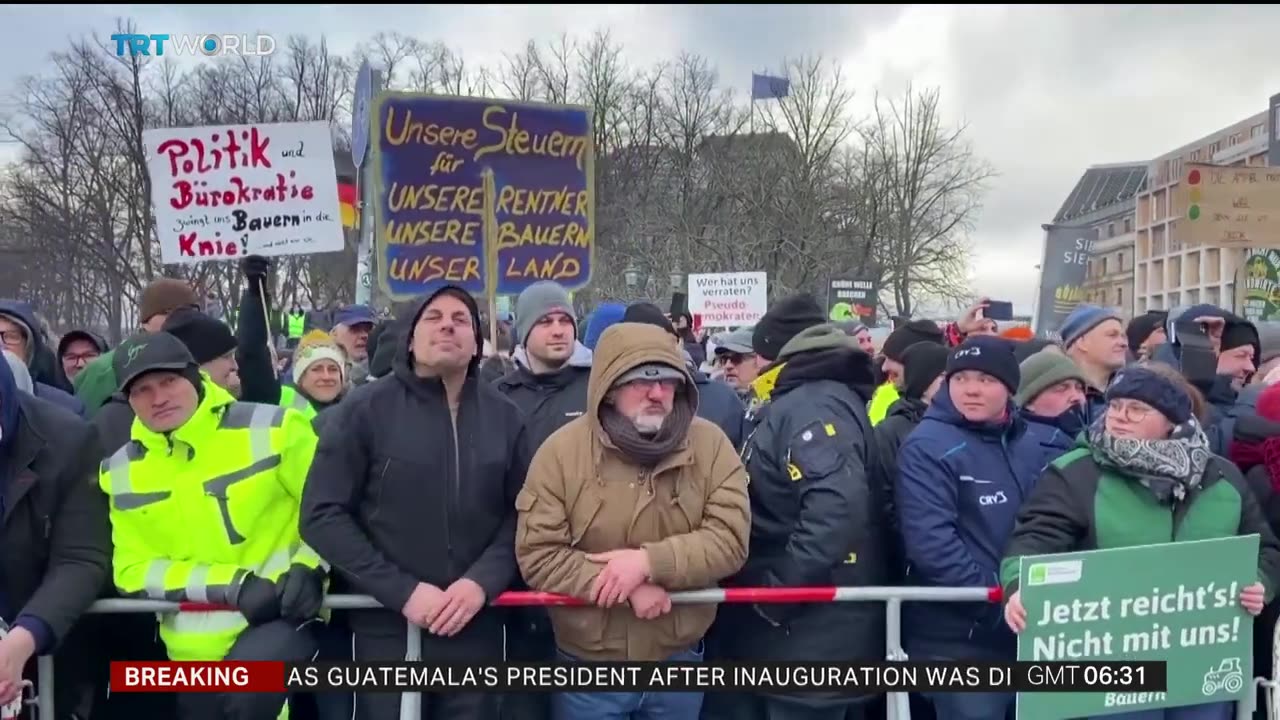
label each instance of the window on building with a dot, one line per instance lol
(1121, 261)
(1195, 156)
(1214, 148)
(1233, 140)
(1111, 230)
(1120, 297)
(1256, 130)
(1128, 225)
(1275, 124)
(1176, 169)
(1104, 264)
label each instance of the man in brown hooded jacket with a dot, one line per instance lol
(635, 498)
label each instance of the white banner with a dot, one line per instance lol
(225, 191)
(729, 299)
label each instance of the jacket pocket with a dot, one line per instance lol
(582, 516)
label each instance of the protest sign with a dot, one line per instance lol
(729, 299)
(852, 299)
(1262, 286)
(224, 191)
(1233, 207)
(1177, 602)
(432, 156)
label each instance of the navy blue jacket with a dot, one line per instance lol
(720, 404)
(1055, 435)
(959, 488)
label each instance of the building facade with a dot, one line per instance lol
(1104, 199)
(1167, 274)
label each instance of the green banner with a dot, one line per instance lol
(1262, 286)
(1178, 602)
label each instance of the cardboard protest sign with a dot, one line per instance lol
(1229, 206)
(732, 299)
(432, 158)
(1177, 602)
(225, 191)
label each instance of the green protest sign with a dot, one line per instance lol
(1178, 602)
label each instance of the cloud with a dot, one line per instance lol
(1045, 91)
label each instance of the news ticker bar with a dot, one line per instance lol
(847, 678)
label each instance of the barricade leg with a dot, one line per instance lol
(898, 705)
(411, 703)
(44, 687)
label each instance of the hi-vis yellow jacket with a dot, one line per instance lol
(884, 398)
(294, 400)
(195, 510)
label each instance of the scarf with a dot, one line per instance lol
(1266, 452)
(648, 451)
(1169, 468)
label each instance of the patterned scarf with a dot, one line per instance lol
(648, 451)
(1169, 468)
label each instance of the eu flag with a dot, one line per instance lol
(768, 86)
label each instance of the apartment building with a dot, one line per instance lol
(1104, 199)
(1168, 274)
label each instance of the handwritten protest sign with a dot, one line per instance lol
(1178, 602)
(431, 158)
(1229, 206)
(224, 191)
(729, 299)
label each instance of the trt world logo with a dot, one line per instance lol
(193, 44)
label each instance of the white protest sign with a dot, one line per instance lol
(729, 299)
(224, 191)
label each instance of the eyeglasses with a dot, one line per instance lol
(13, 338)
(1129, 411)
(77, 358)
(734, 358)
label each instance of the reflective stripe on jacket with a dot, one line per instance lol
(195, 510)
(292, 399)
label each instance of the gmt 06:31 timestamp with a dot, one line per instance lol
(1146, 676)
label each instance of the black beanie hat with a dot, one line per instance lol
(1141, 327)
(650, 314)
(913, 332)
(784, 321)
(922, 363)
(990, 355)
(1145, 385)
(1239, 333)
(207, 338)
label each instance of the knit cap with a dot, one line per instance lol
(1083, 319)
(1143, 384)
(643, 312)
(207, 339)
(905, 336)
(315, 346)
(538, 301)
(1041, 372)
(164, 295)
(922, 363)
(783, 322)
(986, 354)
(1141, 327)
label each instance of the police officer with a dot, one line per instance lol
(817, 511)
(204, 508)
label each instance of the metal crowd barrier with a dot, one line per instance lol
(893, 597)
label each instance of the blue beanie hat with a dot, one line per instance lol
(1083, 319)
(605, 315)
(1140, 383)
(987, 354)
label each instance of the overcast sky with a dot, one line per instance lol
(1045, 91)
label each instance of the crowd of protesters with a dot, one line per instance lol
(419, 461)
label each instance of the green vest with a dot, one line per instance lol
(297, 325)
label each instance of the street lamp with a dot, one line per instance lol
(677, 281)
(632, 277)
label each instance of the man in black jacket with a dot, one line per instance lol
(55, 544)
(549, 385)
(411, 499)
(817, 517)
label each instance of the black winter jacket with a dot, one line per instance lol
(393, 500)
(720, 404)
(816, 513)
(548, 401)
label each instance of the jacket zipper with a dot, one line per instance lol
(451, 489)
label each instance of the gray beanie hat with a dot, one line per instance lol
(536, 302)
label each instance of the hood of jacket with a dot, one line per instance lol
(40, 359)
(81, 334)
(623, 348)
(824, 352)
(911, 409)
(404, 363)
(21, 377)
(944, 410)
(581, 357)
(9, 412)
(196, 429)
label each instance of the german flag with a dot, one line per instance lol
(347, 200)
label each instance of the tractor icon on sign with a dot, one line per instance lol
(1227, 676)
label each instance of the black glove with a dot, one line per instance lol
(301, 591)
(255, 267)
(258, 600)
